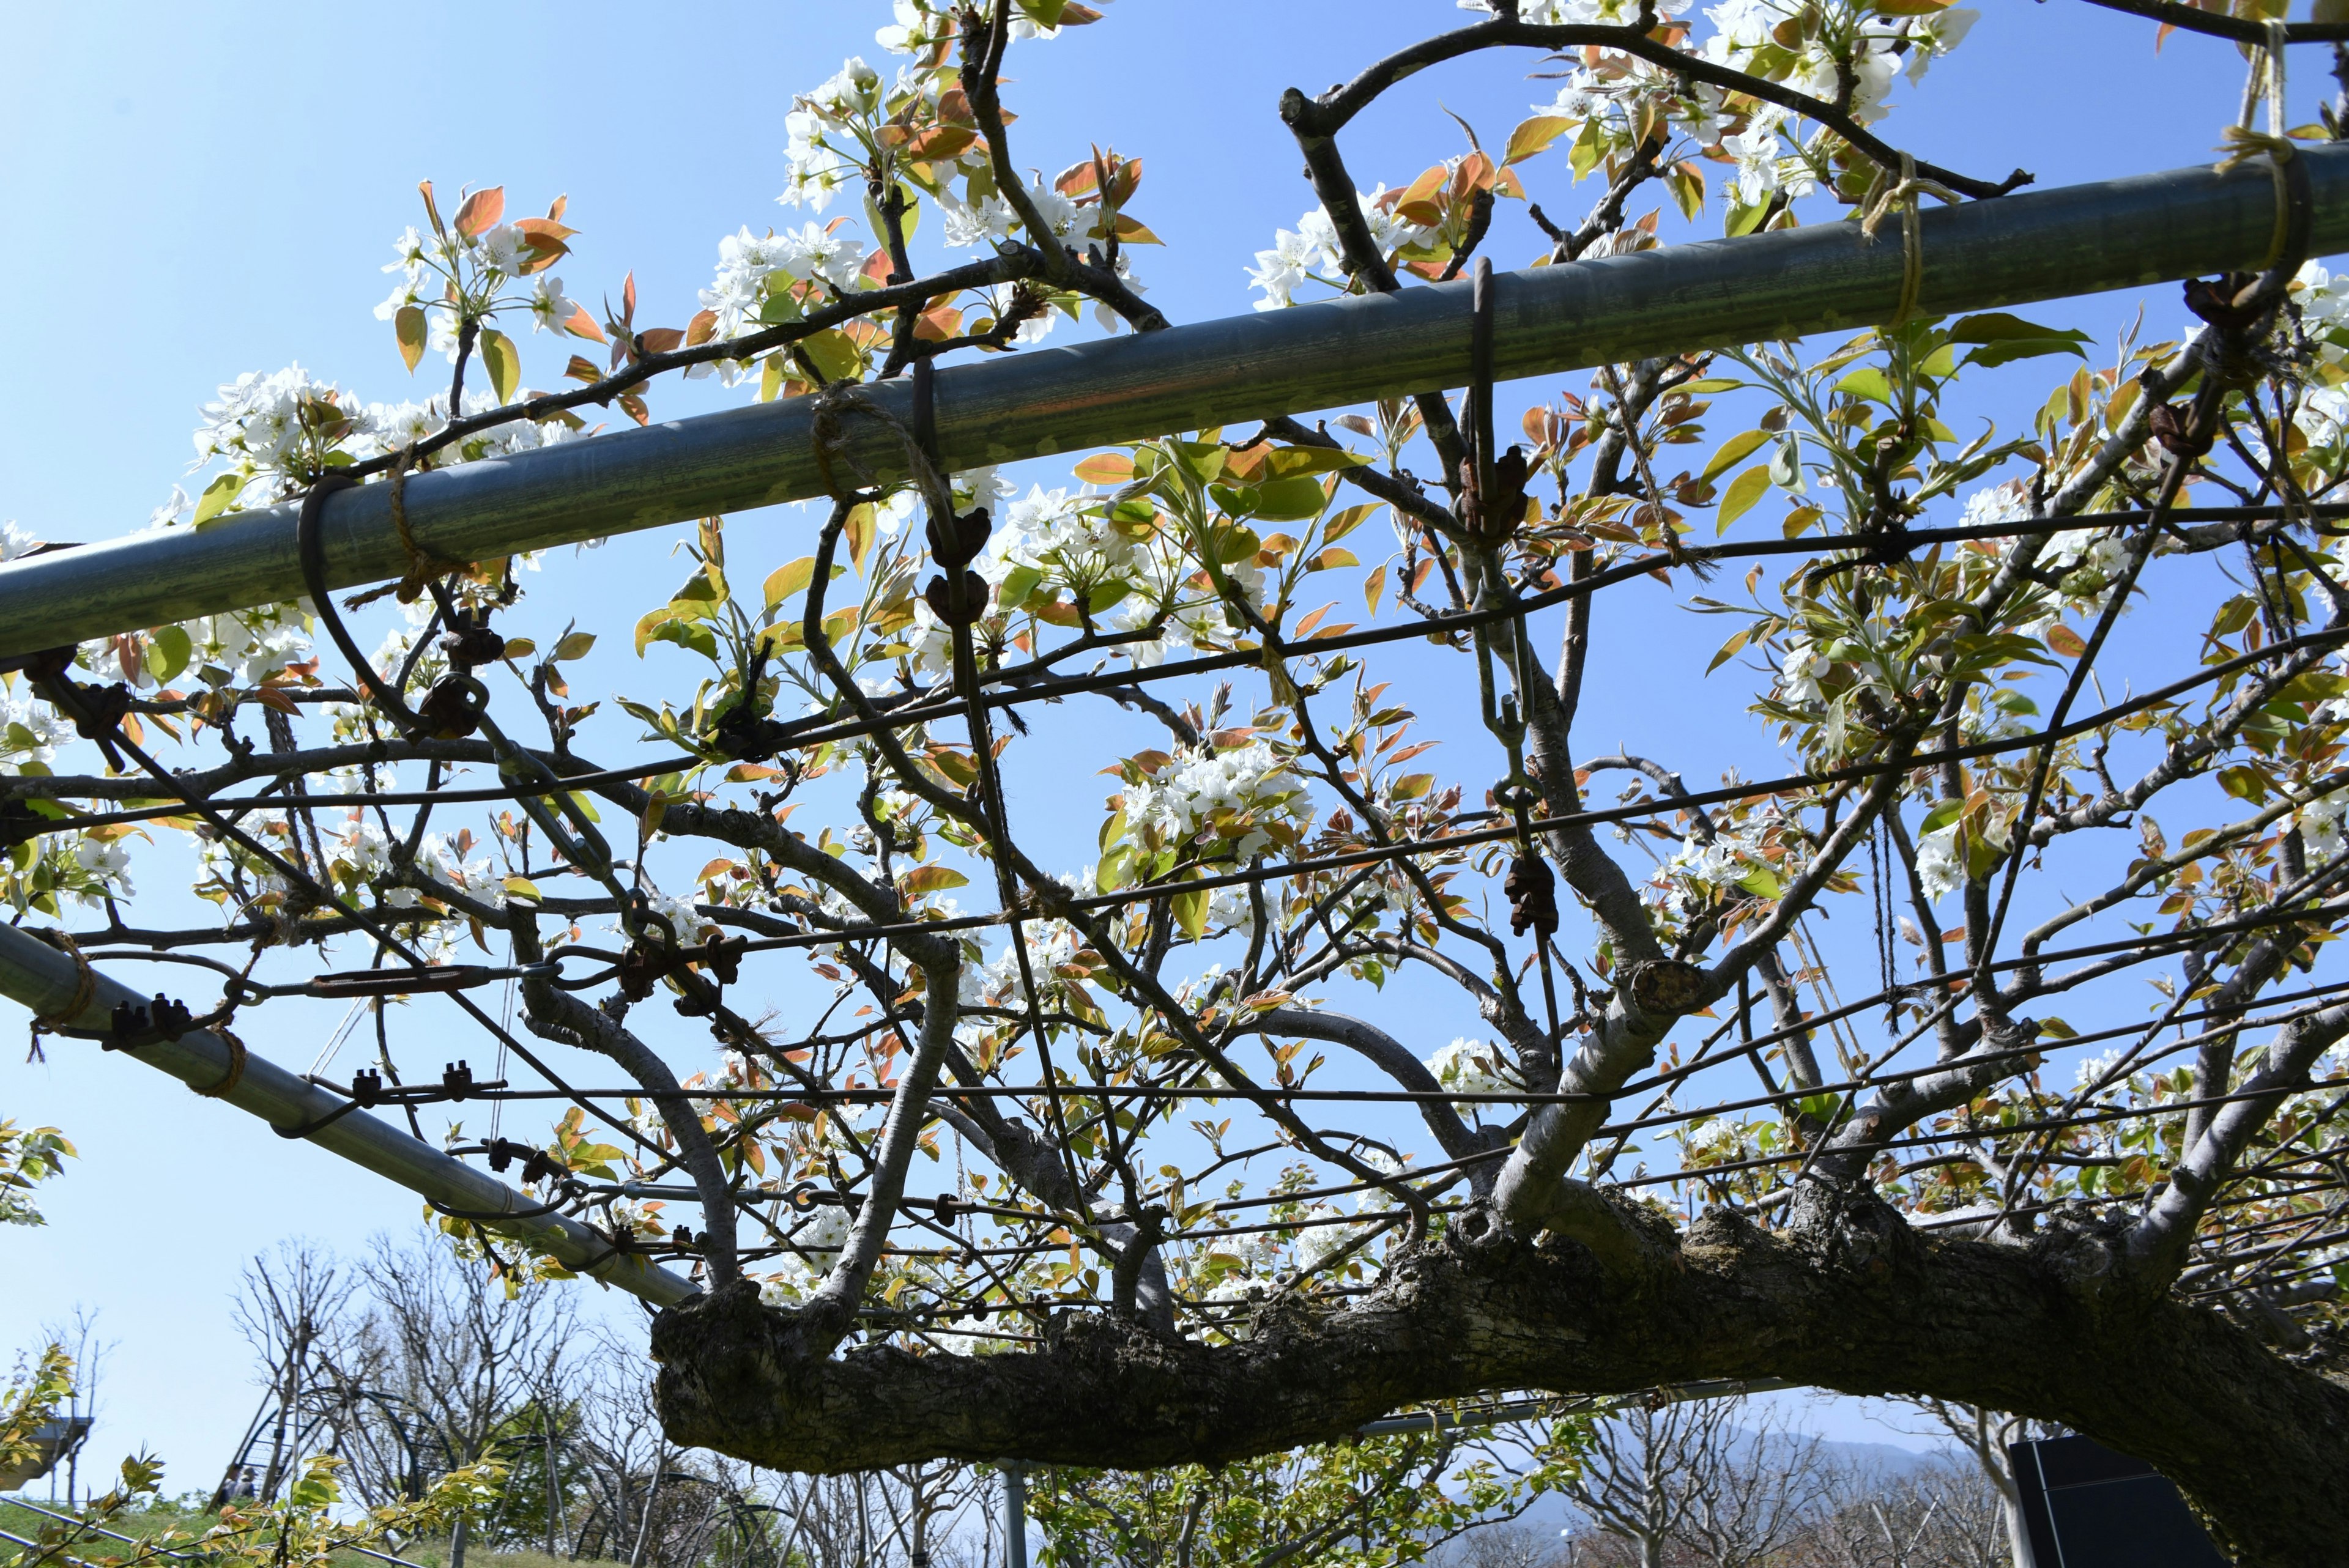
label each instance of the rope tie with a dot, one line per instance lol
(85, 984)
(423, 566)
(2242, 144)
(1906, 194)
(235, 1074)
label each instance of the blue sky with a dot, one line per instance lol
(191, 192)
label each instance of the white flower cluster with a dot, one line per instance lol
(1799, 669)
(1065, 538)
(248, 644)
(367, 852)
(277, 429)
(1733, 854)
(30, 731)
(1473, 1066)
(16, 540)
(481, 264)
(754, 269)
(923, 25)
(2320, 825)
(1189, 791)
(1746, 33)
(2323, 301)
(2090, 558)
(1573, 12)
(1312, 249)
(820, 1236)
(996, 983)
(1940, 868)
(105, 867)
(1764, 166)
(819, 165)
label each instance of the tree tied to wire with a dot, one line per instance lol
(1675, 1147)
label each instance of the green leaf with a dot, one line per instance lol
(1743, 491)
(1290, 500)
(2243, 782)
(1869, 382)
(1191, 910)
(2005, 337)
(1018, 583)
(218, 497)
(502, 361)
(1733, 452)
(174, 647)
(831, 353)
(408, 327)
(691, 634)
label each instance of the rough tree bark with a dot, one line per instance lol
(1853, 1300)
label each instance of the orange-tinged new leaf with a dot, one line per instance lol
(581, 325)
(554, 209)
(1131, 232)
(937, 324)
(701, 329)
(1105, 469)
(481, 210)
(1533, 136)
(431, 207)
(408, 327)
(658, 339)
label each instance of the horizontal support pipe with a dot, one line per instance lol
(43, 980)
(2046, 244)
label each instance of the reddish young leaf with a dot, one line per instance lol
(481, 210)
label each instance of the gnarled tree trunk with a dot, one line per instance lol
(1855, 1301)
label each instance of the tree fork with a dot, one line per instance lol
(1852, 1300)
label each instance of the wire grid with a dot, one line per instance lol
(944, 1267)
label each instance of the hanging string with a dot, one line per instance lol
(1881, 858)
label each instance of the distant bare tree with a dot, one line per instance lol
(1943, 1515)
(1513, 1545)
(1756, 1484)
(1985, 1436)
(292, 1302)
(1646, 1472)
(455, 1348)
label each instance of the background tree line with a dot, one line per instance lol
(406, 1363)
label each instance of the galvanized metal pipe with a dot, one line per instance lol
(45, 980)
(2038, 245)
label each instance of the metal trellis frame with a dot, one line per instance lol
(2038, 246)
(48, 982)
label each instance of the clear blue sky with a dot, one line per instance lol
(191, 192)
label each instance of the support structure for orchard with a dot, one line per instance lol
(2011, 251)
(2014, 249)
